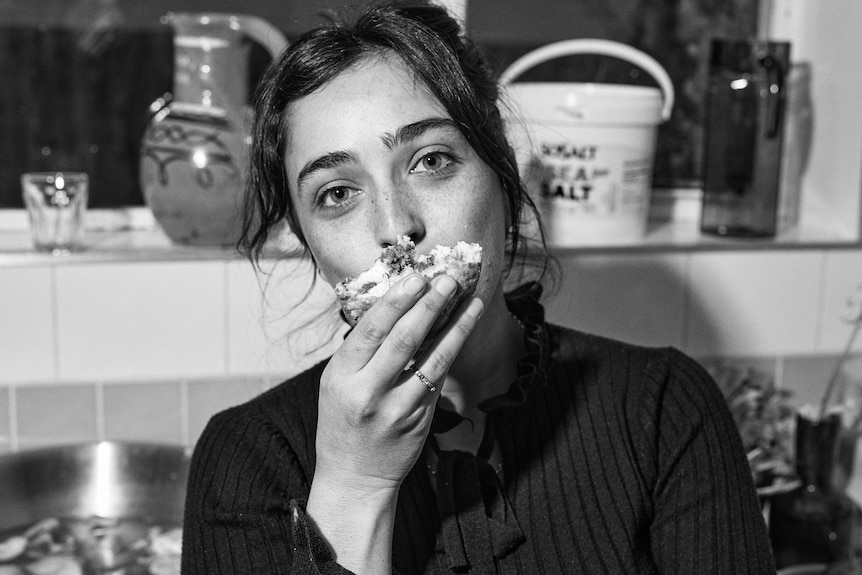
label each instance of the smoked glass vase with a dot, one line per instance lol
(814, 523)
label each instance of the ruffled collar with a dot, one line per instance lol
(523, 304)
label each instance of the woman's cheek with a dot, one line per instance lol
(326, 257)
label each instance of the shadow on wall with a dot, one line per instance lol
(638, 298)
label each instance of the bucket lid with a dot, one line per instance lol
(587, 103)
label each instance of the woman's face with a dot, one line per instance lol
(372, 156)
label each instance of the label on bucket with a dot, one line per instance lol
(591, 192)
(598, 179)
(593, 179)
(591, 182)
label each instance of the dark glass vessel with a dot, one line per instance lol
(743, 129)
(814, 523)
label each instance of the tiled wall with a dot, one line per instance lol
(773, 303)
(169, 411)
(778, 312)
(149, 350)
(145, 350)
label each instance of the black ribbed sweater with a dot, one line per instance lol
(617, 459)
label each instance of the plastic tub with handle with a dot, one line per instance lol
(587, 150)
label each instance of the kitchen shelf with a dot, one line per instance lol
(143, 245)
(121, 246)
(685, 236)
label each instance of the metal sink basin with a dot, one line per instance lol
(102, 500)
(104, 479)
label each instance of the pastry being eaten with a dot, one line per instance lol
(462, 262)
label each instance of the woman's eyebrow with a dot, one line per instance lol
(404, 134)
(412, 131)
(324, 162)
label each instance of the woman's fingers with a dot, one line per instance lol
(377, 323)
(408, 334)
(374, 419)
(428, 372)
(393, 330)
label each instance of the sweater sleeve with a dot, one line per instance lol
(244, 504)
(707, 517)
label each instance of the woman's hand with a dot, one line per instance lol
(374, 417)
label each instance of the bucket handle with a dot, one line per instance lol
(595, 46)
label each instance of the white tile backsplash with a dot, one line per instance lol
(7, 420)
(753, 303)
(150, 321)
(207, 329)
(145, 411)
(141, 321)
(56, 413)
(26, 325)
(637, 298)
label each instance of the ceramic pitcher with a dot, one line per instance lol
(192, 162)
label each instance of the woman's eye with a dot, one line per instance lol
(336, 197)
(432, 162)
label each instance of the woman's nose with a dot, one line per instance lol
(396, 216)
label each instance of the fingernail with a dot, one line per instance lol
(475, 308)
(445, 285)
(414, 285)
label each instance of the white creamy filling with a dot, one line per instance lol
(438, 260)
(385, 280)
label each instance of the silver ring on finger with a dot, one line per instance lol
(429, 385)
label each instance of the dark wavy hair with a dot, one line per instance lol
(431, 43)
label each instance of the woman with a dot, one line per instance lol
(531, 448)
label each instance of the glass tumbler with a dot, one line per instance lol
(56, 204)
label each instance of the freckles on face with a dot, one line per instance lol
(373, 155)
(338, 260)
